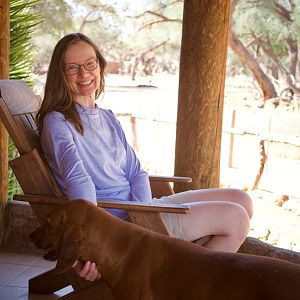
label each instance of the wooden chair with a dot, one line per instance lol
(18, 107)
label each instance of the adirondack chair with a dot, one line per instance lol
(18, 107)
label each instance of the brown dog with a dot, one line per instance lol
(140, 264)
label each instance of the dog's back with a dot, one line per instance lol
(140, 264)
(190, 271)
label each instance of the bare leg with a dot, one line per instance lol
(223, 213)
(230, 195)
(228, 222)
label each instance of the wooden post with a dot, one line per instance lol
(4, 74)
(201, 92)
(231, 143)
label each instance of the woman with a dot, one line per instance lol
(87, 151)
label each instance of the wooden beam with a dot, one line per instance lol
(201, 92)
(115, 204)
(4, 74)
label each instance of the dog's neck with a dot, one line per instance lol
(118, 242)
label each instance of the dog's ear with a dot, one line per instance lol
(69, 249)
(56, 218)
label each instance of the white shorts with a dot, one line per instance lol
(170, 219)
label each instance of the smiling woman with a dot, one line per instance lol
(83, 76)
(87, 150)
(76, 67)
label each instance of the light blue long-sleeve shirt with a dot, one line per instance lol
(99, 164)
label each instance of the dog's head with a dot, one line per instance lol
(50, 233)
(63, 233)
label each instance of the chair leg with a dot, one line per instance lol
(98, 290)
(48, 282)
(161, 188)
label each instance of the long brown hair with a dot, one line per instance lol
(58, 96)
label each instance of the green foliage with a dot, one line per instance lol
(22, 25)
(268, 22)
(123, 28)
(156, 22)
(13, 185)
(57, 16)
(113, 25)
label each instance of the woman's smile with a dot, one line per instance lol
(83, 83)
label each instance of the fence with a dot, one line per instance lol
(259, 149)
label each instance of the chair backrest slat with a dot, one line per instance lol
(18, 105)
(18, 108)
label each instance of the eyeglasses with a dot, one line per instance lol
(89, 65)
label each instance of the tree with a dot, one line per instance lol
(269, 29)
(101, 22)
(152, 43)
(263, 34)
(201, 92)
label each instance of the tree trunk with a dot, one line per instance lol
(256, 247)
(247, 59)
(140, 57)
(4, 74)
(292, 55)
(201, 92)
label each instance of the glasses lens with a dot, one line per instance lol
(91, 64)
(72, 69)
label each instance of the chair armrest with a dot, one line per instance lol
(41, 199)
(169, 178)
(144, 206)
(116, 204)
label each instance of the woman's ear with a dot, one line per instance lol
(69, 248)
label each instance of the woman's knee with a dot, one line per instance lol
(241, 197)
(240, 221)
(228, 223)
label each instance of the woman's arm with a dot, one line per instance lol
(60, 151)
(138, 178)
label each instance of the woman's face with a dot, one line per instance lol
(82, 71)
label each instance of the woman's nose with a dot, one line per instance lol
(82, 71)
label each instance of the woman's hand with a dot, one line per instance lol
(88, 271)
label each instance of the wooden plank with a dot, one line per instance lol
(18, 106)
(48, 282)
(169, 178)
(4, 74)
(41, 199)
(98, 290)
(144, 206)
(18, 97)
(115, 204)
(28, 128)
(34, 175)
(160, 189)
(160, 185)
(13, 129)
(84, 289)
(150, 220)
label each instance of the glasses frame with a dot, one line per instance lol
(84, 65)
